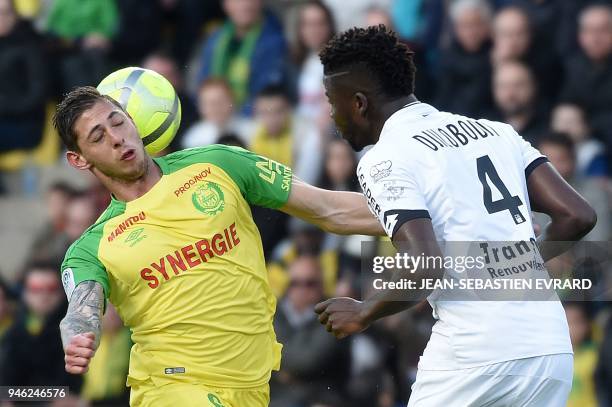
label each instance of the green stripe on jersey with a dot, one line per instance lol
(82, 256)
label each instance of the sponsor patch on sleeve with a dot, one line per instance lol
(68, 282)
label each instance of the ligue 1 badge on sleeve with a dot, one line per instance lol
(68, 281)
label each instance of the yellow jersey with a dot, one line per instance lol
(184, 266)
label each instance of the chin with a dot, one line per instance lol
(349, 140)
(355, 145)
(132, 172)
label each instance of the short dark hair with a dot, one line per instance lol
(300, 51)
(380, 51)
(41, 263)
(558, 139)
(230, 139)
(62, 187)
(162, 53)
(274, 90)
(216, 81)
(71, 108)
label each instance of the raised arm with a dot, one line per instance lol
(338, 212)
(81, 327)
(571, 215)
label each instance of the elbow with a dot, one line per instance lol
(65, 323)
(583, 220)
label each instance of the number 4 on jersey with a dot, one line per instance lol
(508, 202)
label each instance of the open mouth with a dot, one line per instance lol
(128, 155)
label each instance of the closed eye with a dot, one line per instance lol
(98, 137)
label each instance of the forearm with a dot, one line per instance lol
(347, 213)
(375, 309)
(84, 312)
(389, 302)
(559, 236)
(333, 211)
(572, 216)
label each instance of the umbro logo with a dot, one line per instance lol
(174, 370)
(125, 225)
(135, 237)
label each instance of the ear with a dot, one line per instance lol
(77, 161)
(361, 103)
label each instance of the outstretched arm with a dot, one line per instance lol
(338, 212)
(81, 327)
(571, 215)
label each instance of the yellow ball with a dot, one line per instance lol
(150, 100)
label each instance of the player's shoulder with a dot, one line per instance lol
(242, 167)
(395, 144)
(499, 130)
(398, 134)
(221, 155)
(500, 127)
(90, 239)
(385, 158)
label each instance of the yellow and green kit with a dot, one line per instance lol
(184, 266)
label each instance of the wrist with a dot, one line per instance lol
(365, 313)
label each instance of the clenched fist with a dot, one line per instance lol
(342, 316)
(79, 352)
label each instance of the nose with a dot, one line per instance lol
(116, 138)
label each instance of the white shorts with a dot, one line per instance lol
(538, 381)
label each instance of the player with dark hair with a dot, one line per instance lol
(430, 178)
(179, 256)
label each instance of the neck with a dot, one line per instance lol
(387, 109)
(130, 190)
(243, 30)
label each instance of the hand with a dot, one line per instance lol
(79, 352)
(342, 316)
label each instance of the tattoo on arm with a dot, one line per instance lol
(84, 312)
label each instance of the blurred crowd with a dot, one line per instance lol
(248, 74)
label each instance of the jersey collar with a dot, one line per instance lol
(412, 111)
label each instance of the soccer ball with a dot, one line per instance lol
(150, 100)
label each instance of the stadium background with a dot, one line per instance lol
(544, 66)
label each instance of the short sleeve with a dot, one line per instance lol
(82, 264)
(263, 182)
(392, 191)
(530, 155)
